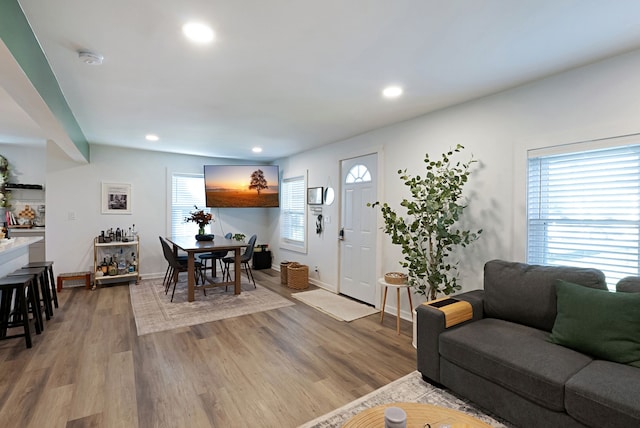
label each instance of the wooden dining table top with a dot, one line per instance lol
(219, 243)
(191, 244)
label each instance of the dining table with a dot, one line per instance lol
(192, 246)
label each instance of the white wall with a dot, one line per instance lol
(589, 103)
(74, 215)
(322, 168)
(28, 165)
(597, 101)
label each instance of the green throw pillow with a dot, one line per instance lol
(599, 323)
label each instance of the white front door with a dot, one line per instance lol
(358, 228)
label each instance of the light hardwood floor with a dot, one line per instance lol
(278, 368)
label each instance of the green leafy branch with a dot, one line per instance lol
(429, 234)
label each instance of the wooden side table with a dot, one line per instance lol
(386, 286)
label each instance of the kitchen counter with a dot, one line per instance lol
(14, 253)
(37, 251)
(34, 229)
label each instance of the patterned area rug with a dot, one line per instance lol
(154, 311)
(410, 388)
(339, 307)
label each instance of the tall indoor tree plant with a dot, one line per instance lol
(430, 232)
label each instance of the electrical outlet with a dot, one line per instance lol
(71, 215)
(316, 269)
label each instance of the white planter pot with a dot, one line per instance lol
(414, 341)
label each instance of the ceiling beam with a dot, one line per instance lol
(25, 74)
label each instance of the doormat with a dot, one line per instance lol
(339, 307)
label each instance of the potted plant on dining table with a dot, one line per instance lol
(203, 219)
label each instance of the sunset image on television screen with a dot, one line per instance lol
(241, 185)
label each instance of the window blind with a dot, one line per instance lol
(187, 190)
(583, 210)
(292, 212)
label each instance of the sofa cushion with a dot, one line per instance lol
(600, 323)
(630, 284)
(526, 294)
(605, 394)
(514, 356)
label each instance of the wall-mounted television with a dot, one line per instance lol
(242, 186)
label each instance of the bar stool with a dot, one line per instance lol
(16, 294)
(49, 268)
(39, 280)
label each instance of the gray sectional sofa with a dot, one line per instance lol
(508, 359)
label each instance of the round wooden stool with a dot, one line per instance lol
(386, 286)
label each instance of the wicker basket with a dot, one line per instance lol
(283, 272)
(298, 276)
(396, 278)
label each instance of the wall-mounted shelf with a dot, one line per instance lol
(15, 186)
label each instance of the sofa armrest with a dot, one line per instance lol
(430, 323)
(476, 298)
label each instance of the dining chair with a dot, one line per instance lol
(181, 259)
(213, 256)
(176, 267)
(245, 258)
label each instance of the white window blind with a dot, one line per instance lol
(187, 190)
(583, 210)
(292, 214)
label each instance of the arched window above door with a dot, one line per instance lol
(358, 174)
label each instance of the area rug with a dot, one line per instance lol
(339, 307)
(154, 311)
(409, 389)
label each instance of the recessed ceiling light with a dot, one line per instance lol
(198, 32)
(392, 91)
(257, 150)
(151, 137)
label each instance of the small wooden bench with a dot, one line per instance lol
(74, 276)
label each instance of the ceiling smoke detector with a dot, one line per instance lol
(90, 58)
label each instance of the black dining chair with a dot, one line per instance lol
(176, 267)
(213, 256)
(181, 259)
(245, 258)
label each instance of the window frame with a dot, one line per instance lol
(185, 228)
(558, 225)
(293, 212)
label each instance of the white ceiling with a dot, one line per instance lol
(291, 75)
(16, 126)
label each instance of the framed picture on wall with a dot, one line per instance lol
(116, 198)
(314, 195)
